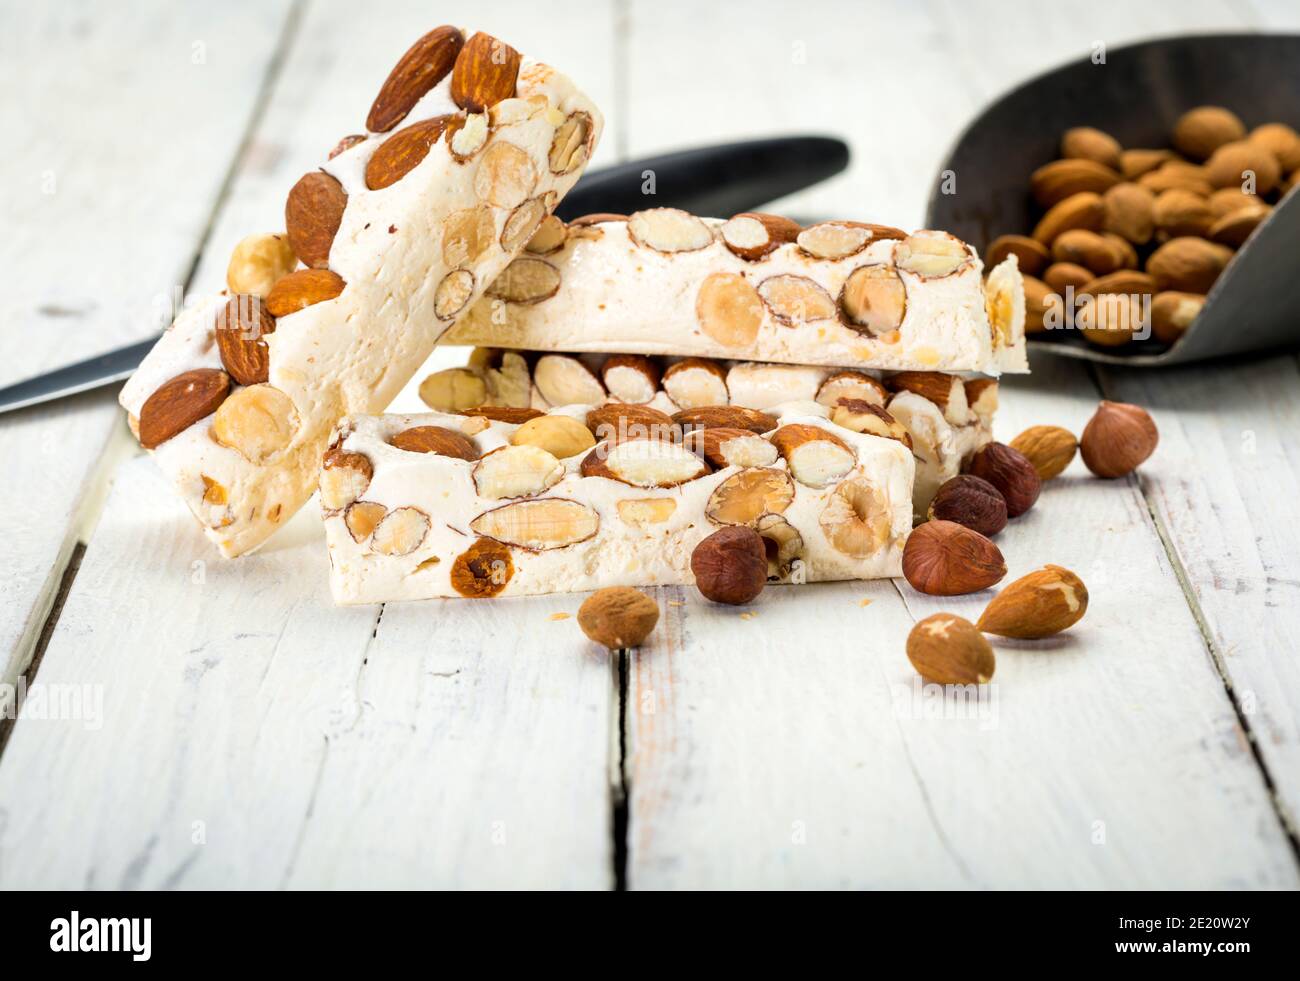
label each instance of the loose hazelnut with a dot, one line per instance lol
(948, 650)
(1118, 439)
(1049, 448)
(1010, 472)
(618, 617)
(943, 558)
(970, 501)
(730, 566)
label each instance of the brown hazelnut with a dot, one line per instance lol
(943, 558)
(970, 501)
(1118, 439)
(1010, 472)
(730, 566)
(618, 617)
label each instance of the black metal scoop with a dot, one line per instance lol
(1137, 96)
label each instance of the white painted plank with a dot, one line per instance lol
(1228, 438)
(764, 753)
(253, 735)
(315, 748)
(129, 124)
(479, 758)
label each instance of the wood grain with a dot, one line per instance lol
(106, 207)
(253, 735)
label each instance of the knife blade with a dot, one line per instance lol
(724, 179)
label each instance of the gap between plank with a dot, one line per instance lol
(9, 723)
(118, 448)
(1289, 829)
(621, 817)
(270, 78)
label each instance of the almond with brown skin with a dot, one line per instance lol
(485, 73)
(302, 289)
(1189, 265)
(948, 650)
(424, 65)
(1031, 255)
(1057, 277)
(618, 421)
(437, 440)
(1201, 131)
(1049, 448)
(1172, 313)
(726, 416)
(312, 215)
(241, 327)
(943, 558)
(1038, 605)
(504, 413)
(1130, 212)
(1052, 183)
(1134, 163)
(180, 403)
(402, 152)
(1083, 210)
(1089, 143)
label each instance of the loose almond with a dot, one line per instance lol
(1038, 605)
(948, 650)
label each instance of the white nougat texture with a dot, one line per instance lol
(942, 441)
(634, 535)
(616, 293)
(353, 353)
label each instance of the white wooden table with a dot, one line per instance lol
(240, 731)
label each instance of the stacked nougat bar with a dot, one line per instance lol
(508, 502)
(469, 147)
(572, 469)
(640, 381)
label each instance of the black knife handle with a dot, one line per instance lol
(713, 181)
